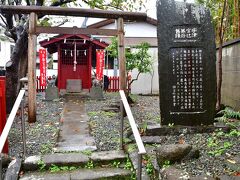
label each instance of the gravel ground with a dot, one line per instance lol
(40, 136)
(217, 149)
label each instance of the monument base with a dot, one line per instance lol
(158, 130)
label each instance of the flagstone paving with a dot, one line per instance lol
(74, 132)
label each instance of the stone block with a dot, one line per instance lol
(172, 152)
(51, 93)
(31, 163)
(74, 85)
(96, 92)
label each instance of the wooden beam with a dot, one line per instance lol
(32, 45)
(80, 12)
(75, 30)
(121, 55)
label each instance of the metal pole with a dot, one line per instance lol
(0, 166)
(23, 129)
(139, 172)
(121, 124)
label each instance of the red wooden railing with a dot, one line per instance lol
(113, 84)
(41, 88)
(3, 109)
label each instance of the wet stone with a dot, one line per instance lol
(108, 156)
(153, 139)
(65, 159)
(172, 173)
(172, 152)
(31, 163)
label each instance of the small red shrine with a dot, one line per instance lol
(76, 54)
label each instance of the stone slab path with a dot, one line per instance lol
(82, 174)
(74, 132)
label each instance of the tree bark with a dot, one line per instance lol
(219, 76)
(12, 70)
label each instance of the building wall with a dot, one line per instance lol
(147, 83)
(5, 52)
(136, 29)
(231, 75)
(136, 33)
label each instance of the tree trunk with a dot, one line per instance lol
(238, 5)
(15, 70)
(219, 77)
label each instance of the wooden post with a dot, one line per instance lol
(121, 55)
(32, 44)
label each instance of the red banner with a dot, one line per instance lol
(43, 66)
(100, 63)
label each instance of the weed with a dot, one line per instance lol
(227, 145)
(89, 165)
(46, 147)
(212, 142)
(41, 165)
(220, 133)
(217, 152)
(131, 147)
(116, 164)
(234, 132)
(87, 152)
(149, 168)
(133, 97)
(170, 125)
(54, 168)
(128, 165)
(143, 127)
(230, 113)
(108, 114)
(64, 168)
(72, 168)
(93, 113)
(166, 164)
(126, 140)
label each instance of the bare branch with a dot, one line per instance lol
(3, 19)
(2, 25)
(134, 79)
(63, 22)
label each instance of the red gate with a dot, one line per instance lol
(3, 109)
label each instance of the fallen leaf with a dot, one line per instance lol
(231, 161)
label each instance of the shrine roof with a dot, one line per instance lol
(52, 43)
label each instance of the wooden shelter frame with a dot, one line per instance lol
(34, 30)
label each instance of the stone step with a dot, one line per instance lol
(72, 159)
(74, 147)
(81, 174)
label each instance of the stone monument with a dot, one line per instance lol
(187, 63)
(51, 91)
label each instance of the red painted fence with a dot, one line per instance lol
(42, 88)
(3, 109)
(113, 84)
